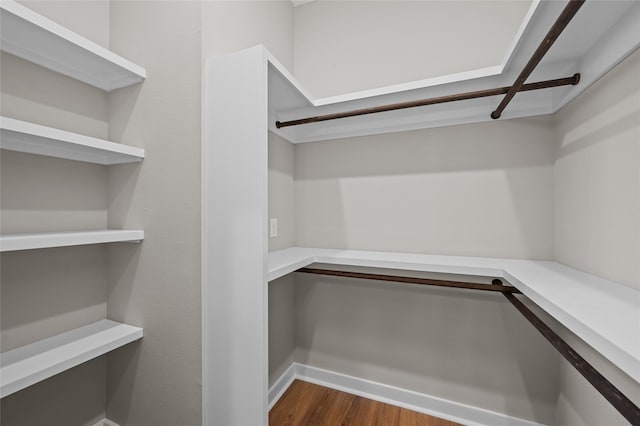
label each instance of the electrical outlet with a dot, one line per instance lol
(273, 227)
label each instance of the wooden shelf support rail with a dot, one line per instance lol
(567, 81)
(617, 399)
(561, 23)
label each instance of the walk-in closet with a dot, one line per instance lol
(317, 212)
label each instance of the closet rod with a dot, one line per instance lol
(620, 402)
(497, 286)
(617, 399)
(573, 80)
(561, 23)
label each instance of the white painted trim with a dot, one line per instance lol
(235, 318)
(297, 3)
(30, 364)
(518, 36)
(106, 422)
(32, 138)
(15, 242)
(282, 384)
(489, 71)
(415, 401)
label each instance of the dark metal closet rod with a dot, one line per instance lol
(628, 409)
(412, 280)
(573, 80)
(617, 399)
(561, 23)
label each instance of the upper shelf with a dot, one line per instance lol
(35, 38)
(30, 364)
(15, 242)
(601, 312)
(600, 36)
(33, 138)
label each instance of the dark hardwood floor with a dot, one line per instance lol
(306, 404)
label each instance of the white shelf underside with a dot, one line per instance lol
(21, 136)
(15, 242)
(606, 314)
(600, 36)
(30, 364)
(37, 39)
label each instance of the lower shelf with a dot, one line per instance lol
(14, 242)
(30, 364)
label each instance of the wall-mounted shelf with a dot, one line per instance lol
(30, 364)
(33, 138)
(15, 242)
(601, 312)
(35, 38)
(600, 36)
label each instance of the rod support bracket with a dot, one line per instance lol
(576, 79)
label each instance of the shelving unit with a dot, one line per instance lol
(550, 285)
(32, 138)
(15, 242)
(30, 364)
(35, 38)
(248, 91)
(600, 36)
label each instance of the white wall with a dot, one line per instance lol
(596, 216)
(347, 46)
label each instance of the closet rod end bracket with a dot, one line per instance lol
(576, 79)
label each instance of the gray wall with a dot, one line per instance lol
(157, 284)
(347, 46)
(46, 292)
(281, 292)
(477, 190)
(596, 216)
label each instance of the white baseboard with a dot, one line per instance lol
(427, 404)
(283, 383)
(106, 422)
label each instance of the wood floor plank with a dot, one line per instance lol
(389, 415)
(295, 403)
(335, 409)
(307, 404)
(363, 412)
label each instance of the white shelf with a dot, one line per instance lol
(21, 136)
(15, 242)
(30, 364)
(35, 38)
(603, 313)
(600, 36)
